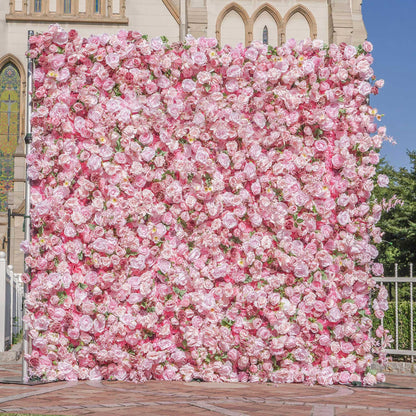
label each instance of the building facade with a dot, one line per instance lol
(272, 22)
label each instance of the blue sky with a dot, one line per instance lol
(391, 28)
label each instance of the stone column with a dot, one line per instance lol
(341, 23)
(359, 34)
(197, 18)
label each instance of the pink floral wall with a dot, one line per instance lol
(203, 213)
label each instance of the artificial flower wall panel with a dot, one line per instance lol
(202, 213)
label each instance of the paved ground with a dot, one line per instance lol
(396, 397)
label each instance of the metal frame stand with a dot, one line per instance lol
(28, 141)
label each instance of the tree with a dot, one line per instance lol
(399, 223)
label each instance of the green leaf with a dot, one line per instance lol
(225, 248)
(183, 223)
(235, 240)
(179, 292)
(119, 147)
(318, 133)
(227, 322)
(207, 178)
(248, 279)
(130, 253)
(62, 296)
(116, 90)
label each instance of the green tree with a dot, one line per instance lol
(398, 224)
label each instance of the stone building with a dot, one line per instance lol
(271, 22)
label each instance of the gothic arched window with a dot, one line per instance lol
(265, 35)
(9, 127)
(97, 6)
(37, 7)
(67, 7)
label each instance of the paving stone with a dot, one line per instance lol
(397, 398)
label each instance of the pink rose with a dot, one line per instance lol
(156, 44)
(364, 88)
(308, 66)
(86, 323)
(301, 269)
(343, 218)
(337, 161)
(378, 269)
(379, 83)
(199, 58)
(188, 85)
(112, 60)
(255, 219)
(58, 61)
(344, 377)
(148, 154)
(342, 75)
(60, 37)
(334, 315)
(367, 46)
(234, 71)
(250, 170)
(259, 119)
(320, 145)
(94, 162)
(382, 181)
(229, 220)
(224, 160)
(349, 51)
(202, 156)
(251, 54)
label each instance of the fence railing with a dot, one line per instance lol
(400, 317)
(11, 304)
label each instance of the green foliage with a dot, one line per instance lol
(404, 324)
(398, 224)
(17, 337)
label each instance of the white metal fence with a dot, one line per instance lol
(11, 304)
(400, 318)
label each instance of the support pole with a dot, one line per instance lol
(28, 140)
(9, 226)
(10, 273)
(183, 19)
(3, 305)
